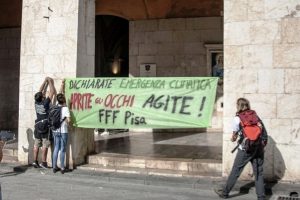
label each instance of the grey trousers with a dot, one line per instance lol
(241, 159)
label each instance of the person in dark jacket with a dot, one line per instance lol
(41, 129)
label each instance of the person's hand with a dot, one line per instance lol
(264, 142)
(234, 137)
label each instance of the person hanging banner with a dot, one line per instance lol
(122, 103)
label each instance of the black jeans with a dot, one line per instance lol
(241, 159)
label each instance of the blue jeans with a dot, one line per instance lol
(60, 144)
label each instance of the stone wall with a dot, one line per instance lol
(9, 77)
(177, 47)
(55, 42)
(261, 46)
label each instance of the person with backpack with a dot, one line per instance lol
(41, 129)
(252, 140)
(59, 118)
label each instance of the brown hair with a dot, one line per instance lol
(242, 104)
(61, 98)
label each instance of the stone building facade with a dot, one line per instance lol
(261, 62)
(261, 51)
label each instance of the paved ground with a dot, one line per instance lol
(28, 183)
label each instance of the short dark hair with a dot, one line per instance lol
(61, 98)
(38, 96)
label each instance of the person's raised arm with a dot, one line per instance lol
(62, 87)
(52, 88)
(43, 87)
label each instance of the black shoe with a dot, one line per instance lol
(62, 171)
(35, 164)
(220, 193)
(56, 169)
(44, 165)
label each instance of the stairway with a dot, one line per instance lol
(110, 162)
(10, 152)
(167, 154)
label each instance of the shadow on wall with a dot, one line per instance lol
(274, 169)
(29, 149)
(274, 166)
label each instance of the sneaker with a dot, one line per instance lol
(105, 133)
(35, 164)
(56, 169)
(220, 193)
(44, 165)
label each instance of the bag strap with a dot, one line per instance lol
(41, 121)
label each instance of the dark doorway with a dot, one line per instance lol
(112, 46)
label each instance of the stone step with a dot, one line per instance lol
(116, 161)
(146, 171)
(10, 152)
(9, 159)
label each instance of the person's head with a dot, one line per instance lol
(242, 104)
(39, 97)
(219, 59)
(61, 99)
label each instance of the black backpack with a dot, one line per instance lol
(54, 117)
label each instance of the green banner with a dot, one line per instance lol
(121, 103)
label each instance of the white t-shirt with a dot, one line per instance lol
(236, 127)
(64, 126)
(236, 124)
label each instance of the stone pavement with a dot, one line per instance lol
(23, 182)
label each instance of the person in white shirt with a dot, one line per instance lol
(60, 135)
(255, 156)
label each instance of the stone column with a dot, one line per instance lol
(261, 51)
(57, 41)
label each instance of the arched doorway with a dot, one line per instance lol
(112, 46)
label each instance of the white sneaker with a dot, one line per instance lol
(104, 133)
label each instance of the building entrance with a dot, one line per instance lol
(112, 46)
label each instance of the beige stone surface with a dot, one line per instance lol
(237, 33)
(290, 30)
(256, 10)
(257, 56)
(270, 47)
(32, 64)
(291, 80)
(281, 131)
(49, 48)
(286, 55)
(276, 9)
(264, 31)
(271, 81)
(233, 56)
(295, 131)
(288, 106)
(236, 10)
(264, 104)
(245, 80)
(286, 160)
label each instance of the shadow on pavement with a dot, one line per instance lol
(16, 170)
